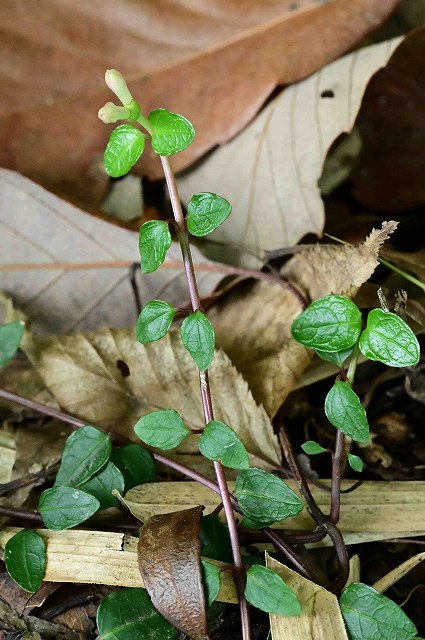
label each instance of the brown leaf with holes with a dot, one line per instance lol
(169, 554)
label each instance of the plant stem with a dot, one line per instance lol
(336, 477)
(192, 285)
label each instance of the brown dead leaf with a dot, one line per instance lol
(169, 553)
(413, 262)
(49, 129)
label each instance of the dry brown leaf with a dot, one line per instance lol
(174, 55)
(413, 262)
(82, 373)
(262, 348)
(320, 618)
(393, 576)
(270, 171)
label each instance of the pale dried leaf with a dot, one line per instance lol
(393, 576)
(320, 618)
(7, 455)
(354, 570)
(82, 373)
(270, 171)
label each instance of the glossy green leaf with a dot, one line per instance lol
(171, 132)
(215, 539)
(25, 558)
(135, 463)
(154, 242)
(103, 483)
(211, 581)
(161, 429)
(312, 448)
(266, 590)
(264, 497)
(220, 442)
(369, 614)
(331, 324)
(355, 462)
(390, 340)
(344, 410)
(206, 212)
(86, 451)
(198, 338)
(154, 321)
(10, 338)
(124, 148)
(128, 614)
(65, 507)
(337, 357)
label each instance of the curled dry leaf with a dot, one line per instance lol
(393, 576)
(182, 51)
(169, 554)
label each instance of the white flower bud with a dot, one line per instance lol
(118, 85)
(110, 113)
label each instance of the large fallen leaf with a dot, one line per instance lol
(86, 375)
(320, 618)
(37, 227)
(270, 171)
(49, 129)
(262, 348)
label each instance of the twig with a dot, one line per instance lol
(34, 478)
(336, 477)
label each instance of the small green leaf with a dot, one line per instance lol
(265, 498)
(220, 442)
(198, 338)
(338, 357)
(10, 338)
(312, 448)
(128, 614)
(369, 614)
(154, 242)
(389, 339)
(266, 590)
(86, 451)
(65, 507)
(136, 465)
(124, 148)
(331, 324)
(344, 410)
(25, 558)
(103, 483)
(215, 539)
(171, 132)
(206, 212)
(211, 581)
(154, 321)
(161, 429)
(355, 462)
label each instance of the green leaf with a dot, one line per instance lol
(215, 539)
(154, 321)
(124, 148)
(355, 462)
(369, 614)
(211, 581)
(128, 614)
(389, 339)
(266, 590)
(154, 242)
(161, 429)
(10, 338)
(331, 324)
(344, 410)
(135, 463)
(206, 212)
(338, 357)
(103, 483)
(312, 448)
(220, 442)
(264, 497)
(171, 132)
(198, 338)
(25, 558)
(86, 451)
(65, 507)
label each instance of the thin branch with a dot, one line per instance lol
(336, 477)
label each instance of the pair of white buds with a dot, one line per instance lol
(110, 112)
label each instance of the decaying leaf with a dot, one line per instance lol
(169, 554)
(413, 262)
(393, 576)
(320, 618)
(274, 190)
(83, 374)
(51, 102)
(263, 349)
